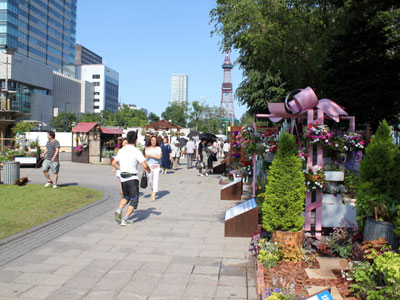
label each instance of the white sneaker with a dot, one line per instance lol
(48, 184)
(206, 174)
(54, 186)
(126, 222)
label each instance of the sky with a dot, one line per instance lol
(148, 41)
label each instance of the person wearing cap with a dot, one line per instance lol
(176, 154)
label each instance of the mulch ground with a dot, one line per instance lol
(292, 272)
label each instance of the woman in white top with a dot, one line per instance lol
(153, 156)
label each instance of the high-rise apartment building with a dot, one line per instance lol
(106, 85)
(84, 56)
(43, 30)
(179, 88)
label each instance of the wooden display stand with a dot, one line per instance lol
(242, 219)
(220, 169)
(233, 190)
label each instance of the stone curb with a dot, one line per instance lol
(51, 222)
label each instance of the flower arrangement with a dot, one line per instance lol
(78, 149)
(354, 141)
(317, 133)
(372, 249)
(303, 154)
(269, 253)
(280, 291)
(314, 181)
(270, 148)
(340, 241)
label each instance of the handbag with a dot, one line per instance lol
(143, 180)
(200, 165)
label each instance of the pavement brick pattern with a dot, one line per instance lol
(175, 250)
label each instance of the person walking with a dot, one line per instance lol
(127, 161)
(117, 172)
(227, 149)
(153, 156)
(166, 156)
(210, 156)
(51, 161)
(202, 157)
(190, 149)
(175, 154)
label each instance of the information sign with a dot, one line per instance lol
(240, 208)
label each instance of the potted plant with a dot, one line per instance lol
(284, 195)
(106, 157)
(78, 150)
(378, 195)
(350, 184)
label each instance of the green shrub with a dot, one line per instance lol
(397, 222)
(379, 178)
(285, 192)
(379, 280)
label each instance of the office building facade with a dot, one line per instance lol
(84, 56)
(43, 30)
(179, 88)
(106, 86)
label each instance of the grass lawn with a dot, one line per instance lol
(22, 207)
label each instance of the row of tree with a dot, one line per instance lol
(346, 50)
(198, 116)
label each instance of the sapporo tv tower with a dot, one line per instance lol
(227, 109)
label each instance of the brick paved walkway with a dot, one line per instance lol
(175, 250)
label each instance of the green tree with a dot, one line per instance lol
(362, 66)
(90, 117)
(126, 117)
(63, 121)
(22, 127)
(285, 191)
(379, 178)
(153, 117)
(176, 113)
(282, 44)
(196, 114)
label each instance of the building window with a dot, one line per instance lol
(96, 93)
(96, 76)
(96, 83)
(96, 107)
(96, 100)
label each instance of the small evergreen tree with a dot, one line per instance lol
(379, 178)
(285, 190)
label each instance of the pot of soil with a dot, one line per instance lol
(374, 230)
(106, 160)
(289, 238)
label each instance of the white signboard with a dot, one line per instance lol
(236, 180)
(240, 208)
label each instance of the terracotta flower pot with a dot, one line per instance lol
(288, 238)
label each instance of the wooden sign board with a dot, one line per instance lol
(242, 219)
(233, 190)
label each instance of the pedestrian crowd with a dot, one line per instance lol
(158, 157)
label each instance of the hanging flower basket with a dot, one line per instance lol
(314, 181)
(79, 149)
(354, 141)
(317, 133)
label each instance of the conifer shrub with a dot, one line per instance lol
(285, 191)
(379, 183)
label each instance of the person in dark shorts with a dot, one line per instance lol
(51, 161)
(127, 161)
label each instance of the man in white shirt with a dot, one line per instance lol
(227, 149)
(127, 161)
(190, 149)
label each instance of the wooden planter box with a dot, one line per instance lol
(82, 157)
(233, 190)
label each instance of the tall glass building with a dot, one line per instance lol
(43, 30)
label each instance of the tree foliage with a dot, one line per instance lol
(346, 50)
(21, 127)
(153, 117)
(379, 177)
(126, 117)
(285, 191)
(205, 118)
(176, 113)
(362, 67)
(90, 117)
(63, 121)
